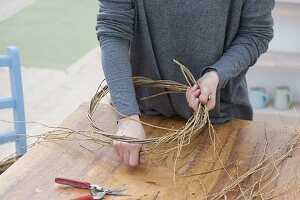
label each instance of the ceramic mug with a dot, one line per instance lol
(258, 97)
(283, 98)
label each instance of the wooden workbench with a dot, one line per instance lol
(32, 176)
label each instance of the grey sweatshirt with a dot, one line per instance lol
(142, 37)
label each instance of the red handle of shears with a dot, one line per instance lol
(73, 183)
(87, 197)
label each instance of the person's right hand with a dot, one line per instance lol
(129, 153)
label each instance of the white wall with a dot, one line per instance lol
(287, 40)
(286, 27)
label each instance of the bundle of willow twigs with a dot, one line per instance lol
(181, 136)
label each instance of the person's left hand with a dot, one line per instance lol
(204, 91)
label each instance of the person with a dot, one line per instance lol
(217, 40)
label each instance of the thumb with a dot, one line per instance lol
(143, 158)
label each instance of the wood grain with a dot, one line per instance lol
(32, 176)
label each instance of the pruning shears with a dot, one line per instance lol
(96, 191)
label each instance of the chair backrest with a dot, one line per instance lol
(15, 102)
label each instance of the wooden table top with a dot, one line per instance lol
(32, 176)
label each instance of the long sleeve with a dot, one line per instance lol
(252, 39)
(115, 22)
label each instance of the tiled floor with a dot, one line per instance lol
(10, 7)
(49, 95)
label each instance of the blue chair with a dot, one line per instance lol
(16, 102)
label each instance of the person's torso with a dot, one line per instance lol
(195, 32)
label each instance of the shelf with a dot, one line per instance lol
(288, 1)
(287, 8)
(271, 110)
(279, 59)
(271, 115)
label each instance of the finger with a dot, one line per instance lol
(126, 156)
(120, 153)
(189, 92)
(194, 88)
(142, 158)
(195, 104)
(134, 155)
(211, 103)
(192, 98)
(196, 93)
(117, 152)
(205, 92)
(117, 147)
